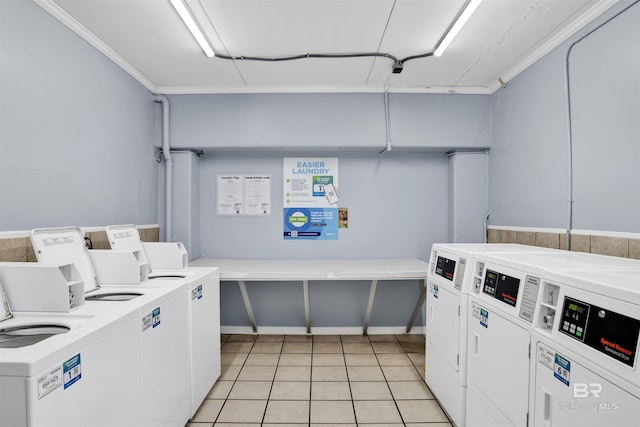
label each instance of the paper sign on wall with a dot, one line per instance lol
(310, 199)
(243, 194)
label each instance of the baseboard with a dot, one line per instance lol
(301, 330)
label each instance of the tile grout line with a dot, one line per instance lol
(311, 370)
(387, 381)
(310, 381)
(273, 380)
(236, 379)
(353, 403)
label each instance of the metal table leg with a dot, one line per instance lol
(423, 296)
(307, 308)
(247, 305)
(367, 316)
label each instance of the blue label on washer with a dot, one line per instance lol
(435, 291)
(484, 317)
(196, 293)
(155, 316)
(71, 371)
(562, 369)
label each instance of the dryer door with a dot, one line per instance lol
(568, 393)
(443, 323)
(498, 366)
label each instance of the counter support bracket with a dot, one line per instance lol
(247, 305)
(367, 316)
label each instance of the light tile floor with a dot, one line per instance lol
(346, 380)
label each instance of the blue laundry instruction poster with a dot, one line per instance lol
(310, 202)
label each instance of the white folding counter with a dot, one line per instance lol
(304, 271)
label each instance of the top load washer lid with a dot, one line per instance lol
(126, 238)
(65, 246)
(5, 310)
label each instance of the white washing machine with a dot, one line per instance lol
(204, 306)
(162, 313)
(502, 312)
(68, 369)
(584, 366)
(448, 282)
(204, 326)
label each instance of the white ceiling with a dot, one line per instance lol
(148, 39)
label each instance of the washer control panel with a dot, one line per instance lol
(502, 287)
(610, 333)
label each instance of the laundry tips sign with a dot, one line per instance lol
(310, 201)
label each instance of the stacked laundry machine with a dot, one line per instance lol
(484, 304)
(584, 363)
(449, 280)
(504, 306)
(168, 263)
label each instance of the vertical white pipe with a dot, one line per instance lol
(168, 166)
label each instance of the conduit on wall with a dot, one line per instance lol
(386, 123)
(569, 130)
(168, 166)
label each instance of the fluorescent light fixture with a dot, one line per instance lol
(179, 6)
(453, 31)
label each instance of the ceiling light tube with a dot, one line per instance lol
(179, 6)
(453, 31)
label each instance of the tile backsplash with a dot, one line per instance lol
(19, 249)
(600, 243)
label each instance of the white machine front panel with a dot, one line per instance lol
(205, 338)
(443, 323)
(97, 386)
(444, 383)
(498, 364)
(569, 394)
(165, 362)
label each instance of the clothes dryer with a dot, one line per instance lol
(164, 363)
(584, 366)
(502, 312)
(68, 369)
(448, 282)
(203, 314)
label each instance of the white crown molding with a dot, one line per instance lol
(450, 90)
(94, 41)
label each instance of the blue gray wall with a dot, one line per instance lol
(330, 121)
(77, 138)
(76, 131)
(397, 201)
(529, 173)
